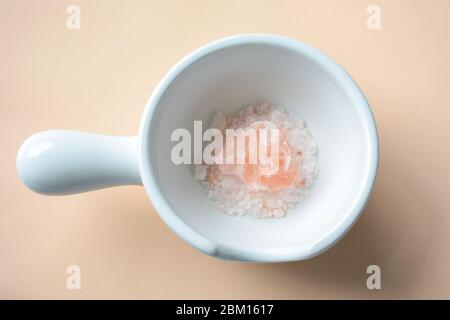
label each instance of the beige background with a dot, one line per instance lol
(99, 78)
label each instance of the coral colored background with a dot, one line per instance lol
(99, 78)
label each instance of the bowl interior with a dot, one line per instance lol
(230, 78)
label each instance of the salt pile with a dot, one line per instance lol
(247, 189)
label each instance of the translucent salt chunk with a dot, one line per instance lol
(311, 148)
(219, 121)
(278, 117)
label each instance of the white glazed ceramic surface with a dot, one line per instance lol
(226, 75)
